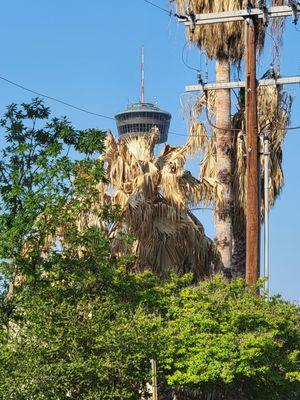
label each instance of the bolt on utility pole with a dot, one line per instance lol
(252, 199)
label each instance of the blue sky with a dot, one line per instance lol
(88, 53)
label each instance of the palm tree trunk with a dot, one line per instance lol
(224, 140)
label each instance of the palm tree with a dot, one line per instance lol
(155, 194)
(224, 43)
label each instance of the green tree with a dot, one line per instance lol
(73, 322)
(84, 331)
(37, 179)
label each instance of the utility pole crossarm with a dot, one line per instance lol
(241, 15)
(241, 84)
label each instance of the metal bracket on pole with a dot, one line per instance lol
(294, 6)
(266, 17)
(192, 20)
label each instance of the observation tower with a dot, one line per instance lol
(139, 118)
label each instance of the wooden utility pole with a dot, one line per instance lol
(252, 198)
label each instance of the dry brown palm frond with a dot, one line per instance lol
(155, 194)
(206, 101)
(276, 32)
(212, 187)
(141, 146)
(273, 118)
(220, 41)
(274, 105)
(197, 135)
(192, 107)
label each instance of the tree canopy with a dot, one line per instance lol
(228, 341)
(75, 323)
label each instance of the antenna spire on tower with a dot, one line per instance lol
(142, 100)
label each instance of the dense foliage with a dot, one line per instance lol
(37, 178)
(75, 324)
(80, 333)
(229, 341)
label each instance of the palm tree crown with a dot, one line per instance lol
(155, 193)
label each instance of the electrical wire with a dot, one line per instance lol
(170, 12)
(183, 60)
(68, 104)
(292, 128)
(276, 52)
(179, 134)
(206, 99)
(211, 123)
(202, 208)
(54, 99)
(159, 7)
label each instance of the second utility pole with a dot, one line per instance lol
(252, 200)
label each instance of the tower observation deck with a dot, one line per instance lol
(139, 118)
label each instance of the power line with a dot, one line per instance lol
(170, 12)
(159, 7)
(185, 62)
(66, 103)
(55, 99)
(292, 128)
(202, 208)
(211, 123)
(178, 134)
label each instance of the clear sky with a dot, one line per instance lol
(88, 53)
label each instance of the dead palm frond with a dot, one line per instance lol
(274, 106)
(276, 32)
(197, 135)
(155, 193)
